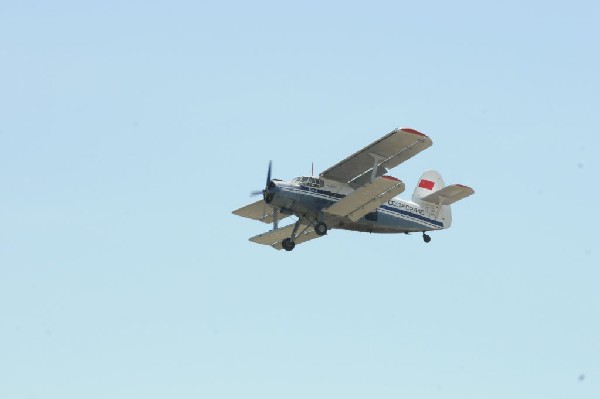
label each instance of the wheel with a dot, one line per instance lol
(321, 229)
(288, 244)
(426, 238)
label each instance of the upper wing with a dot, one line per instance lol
(259, 211)
(387, 152)
(275, 237)
(367, 198)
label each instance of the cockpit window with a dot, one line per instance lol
(309, 181)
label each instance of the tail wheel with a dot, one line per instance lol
(321, 229)
(426, 238)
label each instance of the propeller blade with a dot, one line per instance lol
(262, 192)
(269, 174)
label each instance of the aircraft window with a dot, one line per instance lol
(316, 182)
(309, 181)
(312, 182)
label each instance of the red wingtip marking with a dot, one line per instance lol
(413, 131)
(426, 184)
(390, 178)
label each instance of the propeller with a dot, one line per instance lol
(268, 196)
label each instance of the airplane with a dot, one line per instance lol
(356, 194)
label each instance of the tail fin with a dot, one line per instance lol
(432, 193)
(430, 182)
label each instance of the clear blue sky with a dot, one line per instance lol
(129, 131)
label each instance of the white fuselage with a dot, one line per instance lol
(308, 196)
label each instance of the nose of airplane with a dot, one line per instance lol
(270, 191)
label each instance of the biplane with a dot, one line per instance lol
(356, 194)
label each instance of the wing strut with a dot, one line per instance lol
(275, 218)
(376, 160)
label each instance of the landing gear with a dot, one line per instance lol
(321, 229)
(288, 244)
(426, 237)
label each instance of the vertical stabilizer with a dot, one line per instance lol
(430, 182)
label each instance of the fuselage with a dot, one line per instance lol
(308, 196)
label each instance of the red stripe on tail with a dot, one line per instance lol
(426, 184)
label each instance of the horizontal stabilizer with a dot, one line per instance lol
(258, 211)
(275, 237)
(367, 198)
(449, 195)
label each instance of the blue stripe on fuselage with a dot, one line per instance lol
(412, 215)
